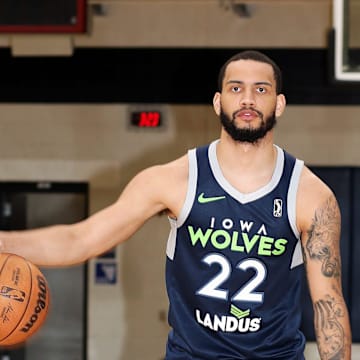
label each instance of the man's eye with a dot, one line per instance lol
(261, 90)
(235, 89)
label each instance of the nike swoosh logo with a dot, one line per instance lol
(203, 200)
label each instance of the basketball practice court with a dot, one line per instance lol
(89, 99)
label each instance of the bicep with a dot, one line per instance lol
(321, 248)
(321, 239)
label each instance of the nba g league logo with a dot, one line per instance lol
(277, 209)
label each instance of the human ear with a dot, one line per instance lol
(280, 105)
(217, 103)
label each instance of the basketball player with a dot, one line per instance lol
(246, 220)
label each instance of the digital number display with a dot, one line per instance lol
(146, 119)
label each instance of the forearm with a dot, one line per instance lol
(63, 245)
(49, 246)
(332, 328)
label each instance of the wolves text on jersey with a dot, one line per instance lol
(235, 240)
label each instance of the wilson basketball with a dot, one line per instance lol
(24, 299)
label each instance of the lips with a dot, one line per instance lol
(247, 114)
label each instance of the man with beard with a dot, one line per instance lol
(247, 219)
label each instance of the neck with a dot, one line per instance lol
(247, 166)
(244, 152)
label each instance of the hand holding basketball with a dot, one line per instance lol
(24, 299)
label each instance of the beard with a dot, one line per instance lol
(249, 135)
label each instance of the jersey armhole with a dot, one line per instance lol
(191, 190)
(185, 210)
(297, 258)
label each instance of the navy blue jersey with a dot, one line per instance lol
(234, 266)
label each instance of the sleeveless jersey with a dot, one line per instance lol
(234, 266)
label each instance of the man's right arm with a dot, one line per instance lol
(61, 245)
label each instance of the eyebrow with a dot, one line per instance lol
(256, 83)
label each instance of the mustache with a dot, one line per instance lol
(234, 114)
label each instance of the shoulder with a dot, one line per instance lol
(315, 199)
(312, 186)
(164, 185)
(174, 171)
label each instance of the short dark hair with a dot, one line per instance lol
(256, 56)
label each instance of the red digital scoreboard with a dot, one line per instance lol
(146, 119)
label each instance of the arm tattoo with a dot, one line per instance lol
(323, 237)
(328, 328)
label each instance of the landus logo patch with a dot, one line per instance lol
(239, 321)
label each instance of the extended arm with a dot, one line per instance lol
(321, 251)
(61, 245)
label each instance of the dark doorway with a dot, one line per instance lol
(26, 205)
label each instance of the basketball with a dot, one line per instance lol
(24, 299)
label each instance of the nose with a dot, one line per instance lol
(248, 98)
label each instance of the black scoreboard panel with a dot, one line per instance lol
(36, 16)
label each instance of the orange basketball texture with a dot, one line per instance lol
(24, 299)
